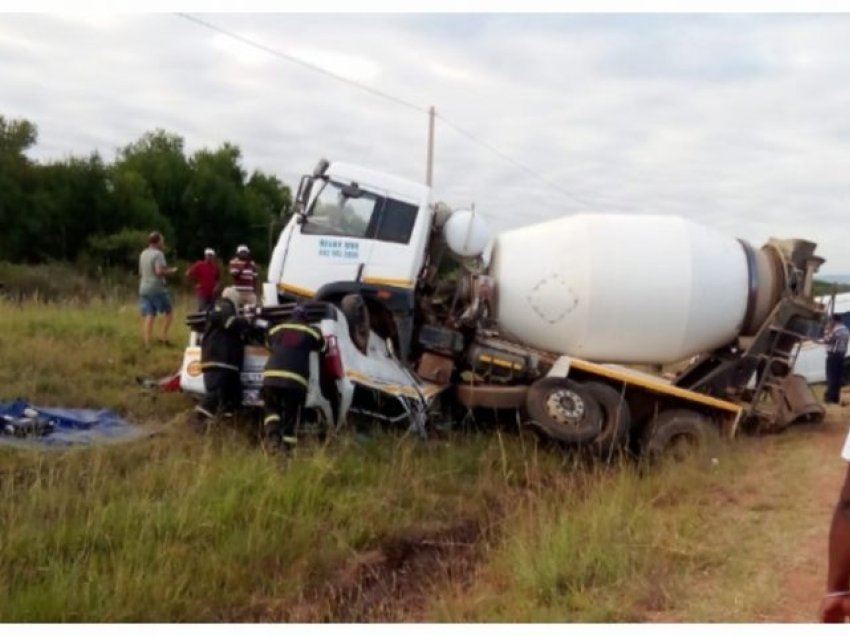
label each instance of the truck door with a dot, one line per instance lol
(334, 242)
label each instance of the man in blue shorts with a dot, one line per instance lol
(153, 294)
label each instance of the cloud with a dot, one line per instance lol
(735, 121)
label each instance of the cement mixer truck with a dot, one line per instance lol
(535, 324)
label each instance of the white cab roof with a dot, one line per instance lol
(372, 179)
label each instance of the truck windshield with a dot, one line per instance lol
(367, 215)
(333, 213)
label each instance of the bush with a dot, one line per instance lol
(53, 282)
(118, 250)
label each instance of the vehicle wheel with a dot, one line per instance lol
(616, 419)
(678, 433)
(564, 410)
(357, 315)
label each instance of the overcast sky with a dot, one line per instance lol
(739, 122)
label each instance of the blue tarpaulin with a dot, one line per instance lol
(70, 427)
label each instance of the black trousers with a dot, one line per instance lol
(834, 371)
(224, 391)
(281, 405)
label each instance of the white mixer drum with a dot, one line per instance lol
(620, 288)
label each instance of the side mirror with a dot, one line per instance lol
(321, 168)
(303, 195)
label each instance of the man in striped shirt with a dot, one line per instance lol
(287, 376)
(836, 348)
(243, 271)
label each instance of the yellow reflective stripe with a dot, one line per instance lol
(499, 362)
(658, 386)
(427, 391)
(229, 322)
(305, 328)
(389, 282)
(289, 439)
(295, 289)
(286, 375)
(219, 365)
(271, 418)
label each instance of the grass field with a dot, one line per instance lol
(483, 527)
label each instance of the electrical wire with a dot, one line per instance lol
(514, 162)
(397, 100)
(295, 60)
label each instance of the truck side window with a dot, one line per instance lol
(397, 220)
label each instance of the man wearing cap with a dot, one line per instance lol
(153, 294)
(287, 376)
(243, 271)
(205, 275)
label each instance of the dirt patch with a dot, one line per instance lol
(389, 584)
(803, 575)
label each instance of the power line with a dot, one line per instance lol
(514, 162)
(387, 96)
(295, 60)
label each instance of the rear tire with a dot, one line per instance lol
(357, 315)
(564, 410)
(616, 420)
(678, 433)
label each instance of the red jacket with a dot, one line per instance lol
(205, 274)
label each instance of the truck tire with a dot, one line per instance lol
(564, 410)
(357, 315)
(678, 433)
(616, 419)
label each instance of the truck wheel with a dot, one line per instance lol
(564, 410)
(357, 315)
(616, 419)
(678, 433)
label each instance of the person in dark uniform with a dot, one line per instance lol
(287, 376)
(222, 351)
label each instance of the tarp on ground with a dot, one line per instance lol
(71, 427)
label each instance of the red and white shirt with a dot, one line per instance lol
(244, 274)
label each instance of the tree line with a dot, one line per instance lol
(87, 210)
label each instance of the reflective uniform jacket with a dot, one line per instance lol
(290, 344)
(222, 346)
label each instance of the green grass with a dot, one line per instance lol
(187, 527)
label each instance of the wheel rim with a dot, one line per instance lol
(565, 406)
(682, 446)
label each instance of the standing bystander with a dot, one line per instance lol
(243, 271)
(153, 293)
(836, 348)
(205, 275)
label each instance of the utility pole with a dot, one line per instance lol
(429, 169)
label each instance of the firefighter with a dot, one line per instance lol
(222, 351)
(287, 376)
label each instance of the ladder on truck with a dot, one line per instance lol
(759, 375)
(781, 398)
